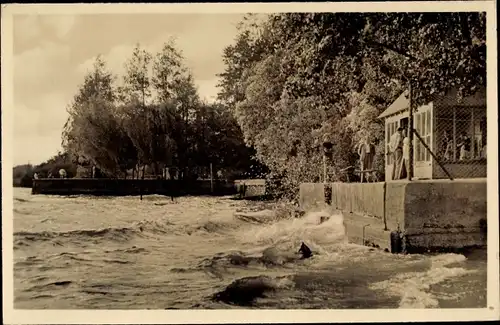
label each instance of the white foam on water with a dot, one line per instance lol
(284, 283)
(291, 232)
(413, 287)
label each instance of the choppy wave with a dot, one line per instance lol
(119, 234)
(209, 253)
(414, 287)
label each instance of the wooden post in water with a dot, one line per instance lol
(211, 179)
(142, 179)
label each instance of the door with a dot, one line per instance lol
(422, 159)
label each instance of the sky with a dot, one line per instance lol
(52, 53)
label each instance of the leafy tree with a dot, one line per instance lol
(94, 132)
(137, 79)
(319, 75)
(23, 174)
(168, 72)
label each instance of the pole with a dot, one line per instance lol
(324, 168)
(473, 135)
(410, 131)
(211, 179)
(454, 134)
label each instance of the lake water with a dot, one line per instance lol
(86, 252)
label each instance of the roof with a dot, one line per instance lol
(400, 104)
(477, 99)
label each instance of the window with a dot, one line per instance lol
(461, 133)
(428, 138)
(423, 127)
(416, 142)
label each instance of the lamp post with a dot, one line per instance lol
(327, 152)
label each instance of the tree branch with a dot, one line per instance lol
(391, 48)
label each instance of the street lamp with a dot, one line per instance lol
(327, 152)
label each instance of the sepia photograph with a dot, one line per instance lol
(232, 159)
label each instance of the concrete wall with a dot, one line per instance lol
(395, 204)
(312, 196)
(360, 198)
(117, 187)
(430, 214)
(445, 213)
(252, 187)
(362, 205)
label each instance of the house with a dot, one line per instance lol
(442, 124)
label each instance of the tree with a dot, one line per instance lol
(94, 132)
(331, 74)
(168, 72)
(137, 79)
(179, 100)
(136, 93)
(103, 139)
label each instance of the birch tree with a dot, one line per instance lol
(93, 133)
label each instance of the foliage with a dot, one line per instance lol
(153, 118)
(23, 174)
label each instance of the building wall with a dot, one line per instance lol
(312, 196)
(475, 169)
(469, 168)
(423, 121)
(443, 105)
(251, 187)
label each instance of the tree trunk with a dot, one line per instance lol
(155, 168)
(142, 178)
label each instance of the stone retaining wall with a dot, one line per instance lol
(119, 187)
(432, 214)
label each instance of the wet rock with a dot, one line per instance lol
(244, 291)
(262, 216)
(272, 256)
(323, 219)
(298, 213)
(305, 251)
(239, 260)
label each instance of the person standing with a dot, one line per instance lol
(366, 154)
(62, 173)
(447, 146)
(396, 148)
(464, 146)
